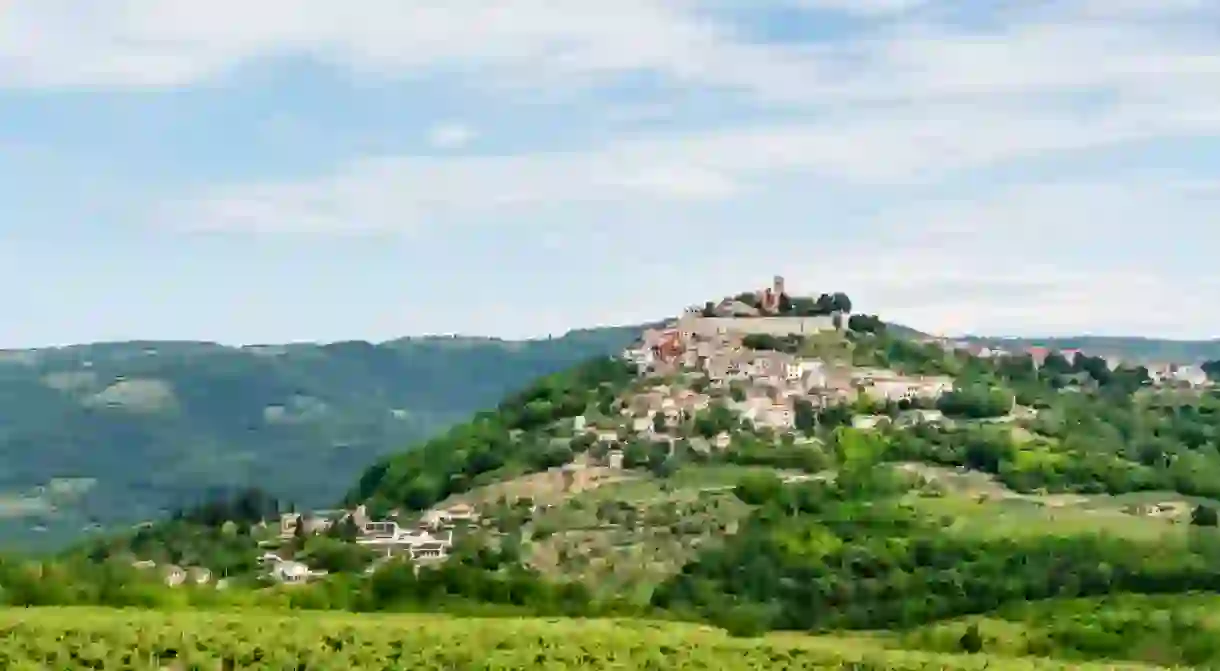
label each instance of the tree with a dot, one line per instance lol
(658, 422)
(737, 391)
(1204, 516)
(972, 641)
(758, 488)
(865, 324)
(349, 531)
(839, 302)
(804, 416)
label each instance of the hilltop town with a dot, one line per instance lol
(739, 380)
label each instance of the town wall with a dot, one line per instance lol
(709, 327)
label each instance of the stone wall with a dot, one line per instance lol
(709, 327)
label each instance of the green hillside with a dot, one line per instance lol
(119, 432)
(1128, 348)
(1055, 517)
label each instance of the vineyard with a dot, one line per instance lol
(73, 638)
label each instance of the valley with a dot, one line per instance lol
(765, 479)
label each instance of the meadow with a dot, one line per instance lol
(70, 638)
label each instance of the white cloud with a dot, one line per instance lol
(862, 7)
(1055, 46)
(451, 135)
(145, 43)
(897, 110)
(1033, 259)
(894, 146)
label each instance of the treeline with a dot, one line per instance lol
(1092, 430)
(477, 579)
(793, 306)
(1086, 445)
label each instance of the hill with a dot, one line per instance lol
(904, 504)
(1144, 350)
(851, 472)
(113, 433)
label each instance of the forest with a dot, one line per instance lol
(95, 436)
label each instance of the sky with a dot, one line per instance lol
(295, 170)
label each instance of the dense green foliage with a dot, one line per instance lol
(843, 554)
(496, 444)
(1169, 630)
(115, 433)
(1093, 430)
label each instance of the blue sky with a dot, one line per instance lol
(309, 170)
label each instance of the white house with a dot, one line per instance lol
(388, 539)
(290, 572)
(1191, 375)
(641, 357)
(173, 575)
(460, 513)
(287, 572)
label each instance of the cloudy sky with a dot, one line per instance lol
(309, 169)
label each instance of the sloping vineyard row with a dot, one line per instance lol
(100, 639)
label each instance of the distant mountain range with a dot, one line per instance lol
(1143, 350)
(113, 433)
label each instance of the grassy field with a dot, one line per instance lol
(1168, 630)
(1007, 518)
(976, 504)
(102, 639)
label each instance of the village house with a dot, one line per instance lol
(447, 518)
(1159, 373)
(882, 385)
(1038, 355)
(916, 417)
(641, 425)
(1190, 376)
(314, 523)
(387, 539)
(291, 573)
(285, 571)
(173, 575)
(198, 575)
(777, 416)
(868, 421)
(614, 459)
(813, 376)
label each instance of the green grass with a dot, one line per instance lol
(1181, 630)
(1007, 518)
(719, 476)
(104, 639)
